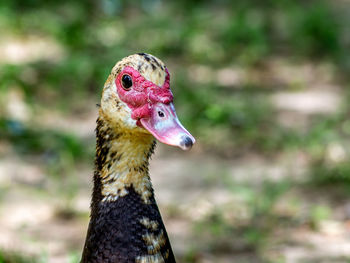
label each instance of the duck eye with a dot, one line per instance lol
(126, 82)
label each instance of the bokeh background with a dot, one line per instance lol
(262, 85)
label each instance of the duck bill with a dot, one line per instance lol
(164, 125)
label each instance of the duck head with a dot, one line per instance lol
(137, 98)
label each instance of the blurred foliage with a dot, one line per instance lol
(6, 257)
(45, 142)
(219, 34)
(318, 214)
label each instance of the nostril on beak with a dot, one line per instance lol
(186, 143)
(161, 114)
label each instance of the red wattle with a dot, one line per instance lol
(152, 108)
(143, 94)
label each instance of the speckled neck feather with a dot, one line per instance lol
(125, 225)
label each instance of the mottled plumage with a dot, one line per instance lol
(125, 224)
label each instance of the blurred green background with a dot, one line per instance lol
(262, 85)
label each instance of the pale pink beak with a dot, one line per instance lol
(166, 127)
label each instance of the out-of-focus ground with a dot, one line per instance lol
(262, 86)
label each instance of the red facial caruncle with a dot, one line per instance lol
(152, 107)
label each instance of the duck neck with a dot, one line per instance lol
(121, 162)
(125, 224)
